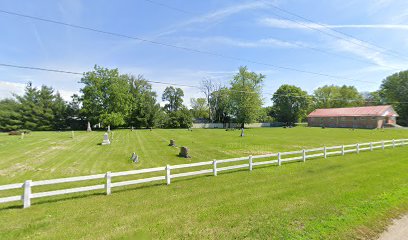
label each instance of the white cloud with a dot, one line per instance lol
(215, 16)
(281, 23)
(267, 42)
(7, 89)
(366, 51)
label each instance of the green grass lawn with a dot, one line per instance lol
(353, 196)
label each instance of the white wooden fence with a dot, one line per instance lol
(249, 162)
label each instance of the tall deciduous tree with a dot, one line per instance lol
(174, 96)
(199, 108)
(144, 108)
(246, 99)
(395, 89)
(221, 103)
(331, 96)
(105, 96)
(208, 87)
(372, 98)
(290, 103)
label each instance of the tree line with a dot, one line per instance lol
(109, 98)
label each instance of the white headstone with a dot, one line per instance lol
(242, 132)
(108, 128)
(106, 139)
(89, 129)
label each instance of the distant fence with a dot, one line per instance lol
(251, 161)
(233, 125)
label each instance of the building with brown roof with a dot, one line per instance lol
(353, 117)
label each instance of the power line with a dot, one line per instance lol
(300, 45)
(182, 48)
(198, 87)
(40, 69)
(376, 47)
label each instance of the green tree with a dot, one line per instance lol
(75, 118)
(221, 104)
(144, 108)
(246, 99)
(37, 108)
(372, 98)
(10, 115)
(181, 118)
(331, 96)
(60, 112)
(112, 119)
(394, 88)
(105, 96)
(265, 115)
(290, 103)
(199, 108)
(174, 96)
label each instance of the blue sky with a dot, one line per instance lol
(252, 30)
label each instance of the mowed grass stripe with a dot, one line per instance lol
(340, 197)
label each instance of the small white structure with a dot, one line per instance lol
(106, 139)
(89, 129)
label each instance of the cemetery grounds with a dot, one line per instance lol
(343, 197)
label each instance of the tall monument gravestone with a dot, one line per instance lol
(89, 129)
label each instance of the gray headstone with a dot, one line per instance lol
(184, 152)
(106, 139)
(172, 143)
(134, 158)
(242, 132)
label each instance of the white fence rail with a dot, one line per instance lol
(214, 169)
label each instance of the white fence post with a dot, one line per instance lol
(382, 145)
(279, 159)
(108, 183)
(324, 152)
(250, 163)
(27, 194)
(215, 167)
(168, 174)
(358, 148)
(371, 146)
(393, 143)
(342, 150)
(304, 155)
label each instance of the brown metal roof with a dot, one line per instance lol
(384, 110)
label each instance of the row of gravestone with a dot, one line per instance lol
(183, 150)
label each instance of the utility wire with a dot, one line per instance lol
(300, 45)
(183, 48)
(354, 40)
(198, 87)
